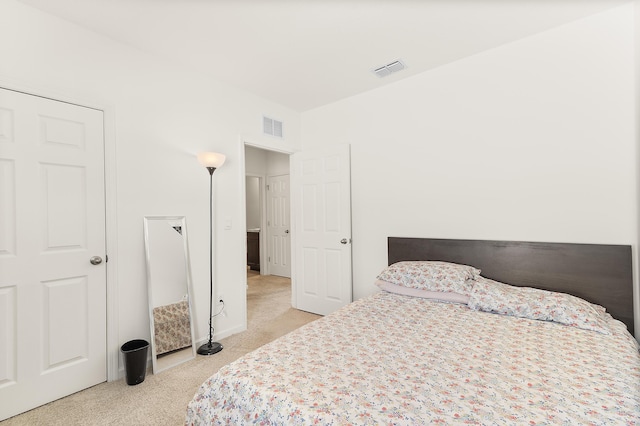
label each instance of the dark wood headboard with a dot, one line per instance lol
(600, 274)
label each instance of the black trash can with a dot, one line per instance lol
(134, 353)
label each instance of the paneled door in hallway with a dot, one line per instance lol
(278, 226)
(52, 251)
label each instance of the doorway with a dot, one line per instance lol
(320, 192)
(266, 251)
(267, 212)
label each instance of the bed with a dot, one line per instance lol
(404, 359)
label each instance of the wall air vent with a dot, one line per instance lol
(272, 127)
(390, 68)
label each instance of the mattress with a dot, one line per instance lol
(395, 359)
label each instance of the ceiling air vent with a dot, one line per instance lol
(271, 127)
(392, 67)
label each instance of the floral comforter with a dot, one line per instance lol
(393, 359)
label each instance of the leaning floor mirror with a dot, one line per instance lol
(169, 288)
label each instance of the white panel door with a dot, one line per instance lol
(52, 221)
(321, 191)
(278, 226)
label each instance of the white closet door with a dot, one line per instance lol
(52, 222)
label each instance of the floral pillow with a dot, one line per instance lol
(526, 302)
(431, 275)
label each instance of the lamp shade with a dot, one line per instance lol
(211, 159)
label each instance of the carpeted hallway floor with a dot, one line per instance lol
(162, 399)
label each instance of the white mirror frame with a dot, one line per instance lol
(178, 356)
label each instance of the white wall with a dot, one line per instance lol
(255, 161)
(530, 141)
(266, 163)
(160, 117)
(277, 164)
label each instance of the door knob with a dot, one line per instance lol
(286, 232)
(95, 260)
(345, 241)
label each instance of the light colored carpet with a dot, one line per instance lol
(162, 399)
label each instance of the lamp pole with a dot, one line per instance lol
(211, 161)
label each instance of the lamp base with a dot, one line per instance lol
(209, 348)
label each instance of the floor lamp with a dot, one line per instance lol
(211, 160)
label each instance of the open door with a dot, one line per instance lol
(321, 201)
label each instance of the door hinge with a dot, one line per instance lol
(106, 258)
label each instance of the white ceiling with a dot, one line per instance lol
(307, 53)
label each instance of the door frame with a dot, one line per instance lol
(256, 143)
(110, 181)
(264, 267)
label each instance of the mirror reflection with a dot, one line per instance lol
(169, 284)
